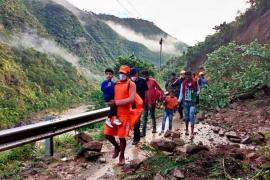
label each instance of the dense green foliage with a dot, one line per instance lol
(234, 69)
(10, 160)
(134, 62)
(88, 36)
(32, 81)
(14, 16)
(173, 65)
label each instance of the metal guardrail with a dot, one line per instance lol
(14, 137)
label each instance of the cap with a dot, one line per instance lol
(124, 69)
(201, 73)
(183, 72)
(133, 71)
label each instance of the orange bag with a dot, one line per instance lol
(135, 114)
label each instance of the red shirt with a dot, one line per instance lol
(151, 96)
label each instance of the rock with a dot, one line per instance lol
(158, 177)
(91, 155)
(258, 139)
(247, 140)
(216, 130)
(221, 133)
(238, 155)
(93, 146)
(235, 140)
(64, 159)
(251, 155)
(82, 138)
(102, 160)
(179, 151)
(175, 135)
(163, 145)
(200, 116)
(179, 142)
(233, 105)
(193, 149)
(178, 173)
(232, 135)
(167, 133)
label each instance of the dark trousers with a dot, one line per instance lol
(137, 135)
(145, 117)
(112, 112)
(180, 110)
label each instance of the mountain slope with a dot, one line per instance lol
(249, 26)
(96, 38)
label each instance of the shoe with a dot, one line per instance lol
(142, 134)
(186, 133)
(109, 123)
(121, 161)
(154, 131)
(117, 122)
(135, 142)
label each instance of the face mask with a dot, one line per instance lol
(122, 77)
(134, 78)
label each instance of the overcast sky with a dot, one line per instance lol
(188, 20)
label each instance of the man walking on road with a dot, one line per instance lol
(141, 87)
(150, 102)
(188, 94)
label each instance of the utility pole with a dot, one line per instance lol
(160, 42)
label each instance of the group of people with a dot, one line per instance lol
(132, 95)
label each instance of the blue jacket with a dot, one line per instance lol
(107, 87)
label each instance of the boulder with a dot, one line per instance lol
(200, 116)
(235, 140)
(158, 177)
(175, 135)
(163, 145)
(179, 151)
(179, 142)
(91, 155)
(193, 149)
(232, 135)
(83, 138)
(167, 133)
(258, 139)
(93, 146)
(178, 173)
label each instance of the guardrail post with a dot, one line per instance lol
(49, 146)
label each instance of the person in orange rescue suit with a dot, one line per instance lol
(124, 96)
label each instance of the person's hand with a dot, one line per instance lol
(149, 106)
(111, 103)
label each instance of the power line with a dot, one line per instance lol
(124, 7)
(140, 15)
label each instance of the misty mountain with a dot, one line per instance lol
(52, 54)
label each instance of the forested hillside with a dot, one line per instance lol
(52, 56)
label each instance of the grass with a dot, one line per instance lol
(11, 160)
